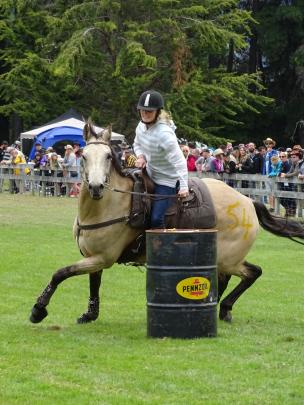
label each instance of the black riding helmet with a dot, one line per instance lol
(150, 100)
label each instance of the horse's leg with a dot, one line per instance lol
(223, 280)
(249, 275)
(93, 305)
(87, 265)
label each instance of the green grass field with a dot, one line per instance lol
(258, 359)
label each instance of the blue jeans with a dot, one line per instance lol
(160, 205)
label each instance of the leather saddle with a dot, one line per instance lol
(193, 212)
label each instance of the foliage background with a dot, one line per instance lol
(228, 69)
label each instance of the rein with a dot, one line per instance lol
(151, 196)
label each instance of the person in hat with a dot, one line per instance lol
(69, 160)
(217, 164)
(46, 156)
(156, 148)
(203, 162)
(270, 151)
(68, 164)
(17, 144)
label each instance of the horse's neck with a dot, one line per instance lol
(112, 205)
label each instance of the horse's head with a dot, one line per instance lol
(96, 159)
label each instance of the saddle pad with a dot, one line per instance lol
(194, 212)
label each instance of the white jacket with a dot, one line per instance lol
(165, 161)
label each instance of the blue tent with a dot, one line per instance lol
(68, 135)
(63, 130)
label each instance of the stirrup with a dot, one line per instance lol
(140, 240)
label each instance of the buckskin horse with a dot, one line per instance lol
(103, 233)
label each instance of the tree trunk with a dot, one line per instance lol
(230, 56)
(15, 127)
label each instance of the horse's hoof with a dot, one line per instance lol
(38, 314)
(87, 317)
(225, 315)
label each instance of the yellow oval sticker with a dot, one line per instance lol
(193, 288)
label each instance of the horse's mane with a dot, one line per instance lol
(115, 160)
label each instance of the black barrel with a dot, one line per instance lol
(181, 283)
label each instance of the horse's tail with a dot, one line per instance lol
(278, 225)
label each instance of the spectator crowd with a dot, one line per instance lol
(249, 159)
(45, 162)
(246, 159)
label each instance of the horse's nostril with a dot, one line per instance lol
(96, 188)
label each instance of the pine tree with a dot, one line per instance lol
(100, 55)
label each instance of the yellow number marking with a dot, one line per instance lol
(231, 214)
(244, 223)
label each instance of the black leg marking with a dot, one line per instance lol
(228, 302)
(223, 280)
(93, 305)
(39, 311)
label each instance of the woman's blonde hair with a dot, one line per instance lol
(165, 116)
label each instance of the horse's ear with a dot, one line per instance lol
(107, 133)
(86, 132)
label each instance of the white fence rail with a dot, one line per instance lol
(259, 187)
(44, 182)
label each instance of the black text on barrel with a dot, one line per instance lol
(181, 283)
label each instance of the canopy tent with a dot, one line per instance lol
(65, 129)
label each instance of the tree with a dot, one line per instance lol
(100, 55)
(28, 90)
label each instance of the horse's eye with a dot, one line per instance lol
(83, 157)
(109, 156)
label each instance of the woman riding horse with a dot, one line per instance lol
(102, 231)
(157, 150)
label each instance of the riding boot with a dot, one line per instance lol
(134, 250)
(140, 245)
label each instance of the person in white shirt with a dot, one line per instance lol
(157, 150)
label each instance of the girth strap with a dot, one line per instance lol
(98, 225)
(102, 224)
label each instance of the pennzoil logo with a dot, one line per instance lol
(193, 288)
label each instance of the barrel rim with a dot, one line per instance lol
(173, 230)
